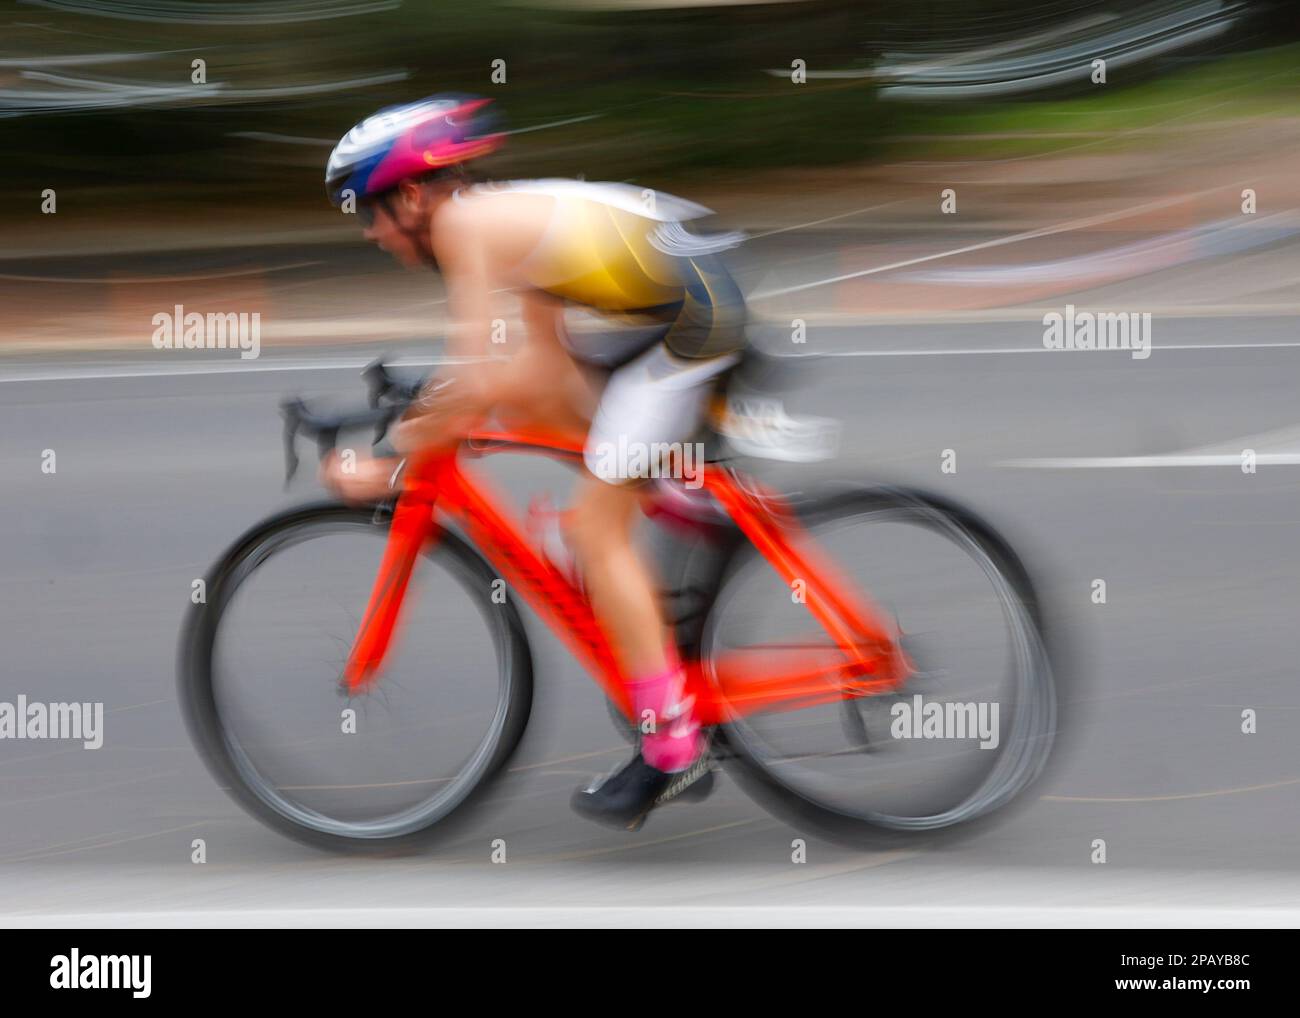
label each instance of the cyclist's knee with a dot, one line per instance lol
(602, 517)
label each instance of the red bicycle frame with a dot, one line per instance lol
(863, 658)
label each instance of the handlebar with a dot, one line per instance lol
(385, 384)
(390, 396)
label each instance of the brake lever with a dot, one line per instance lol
(382, 384)
(377, 380)
(327, 439)
(291, 412)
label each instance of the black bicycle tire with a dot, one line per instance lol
(802, 811)
(198, 695)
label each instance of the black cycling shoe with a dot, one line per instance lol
(626, 797)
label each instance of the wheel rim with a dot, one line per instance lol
(1024, 749)
(244, 763)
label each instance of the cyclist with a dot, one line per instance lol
(671, 320)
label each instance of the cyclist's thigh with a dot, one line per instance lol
(650, 409)
(542, 380)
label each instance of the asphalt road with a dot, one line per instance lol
(160, 465)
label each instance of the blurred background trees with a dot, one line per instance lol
(652, 90)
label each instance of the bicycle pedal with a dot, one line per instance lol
(700, 789)
(692, 785)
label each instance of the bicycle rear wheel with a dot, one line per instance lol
(968, 732)
(259, 681)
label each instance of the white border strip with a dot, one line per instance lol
(925, 917)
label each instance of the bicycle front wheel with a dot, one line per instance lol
(973, 725)
(260, 670)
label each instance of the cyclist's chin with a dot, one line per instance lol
(411, 257)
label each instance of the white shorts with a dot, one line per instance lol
(649, 411)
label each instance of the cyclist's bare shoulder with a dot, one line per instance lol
(505, 224)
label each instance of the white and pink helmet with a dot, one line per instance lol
(409, 140)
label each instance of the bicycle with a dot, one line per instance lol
(845, 662)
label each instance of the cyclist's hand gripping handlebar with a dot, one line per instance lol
(390, 396)
(325, 428)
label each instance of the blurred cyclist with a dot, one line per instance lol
(670, 321)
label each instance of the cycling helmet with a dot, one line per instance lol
(409, 140)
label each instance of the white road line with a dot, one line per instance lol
(1014, 315)
(148, 280)
(818, 222)
(1267, 459)
(1002, 350)
(1270, 448)
(234, 367)
(254, 367)
(1015, 238)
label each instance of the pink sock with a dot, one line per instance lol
(676, 742)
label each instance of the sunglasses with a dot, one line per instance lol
(366, 210)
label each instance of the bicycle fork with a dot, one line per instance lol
(410, 534)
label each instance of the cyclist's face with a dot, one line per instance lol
(398, 227)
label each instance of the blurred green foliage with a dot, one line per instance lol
(678, 91)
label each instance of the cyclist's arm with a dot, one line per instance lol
(463, 261)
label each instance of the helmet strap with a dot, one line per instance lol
(417, 237)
